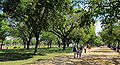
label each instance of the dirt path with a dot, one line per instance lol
(100, 56)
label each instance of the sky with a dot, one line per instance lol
(98, 27)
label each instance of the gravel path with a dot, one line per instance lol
(98, 56)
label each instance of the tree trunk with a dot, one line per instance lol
(28, 42)
(118, 45)
(59, 44)
(64, 44)
(24, 43)
(36, 45)
(77, 45)
(68, 44)
(2, 43)
(50, 44)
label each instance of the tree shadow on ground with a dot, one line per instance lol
(14, 56)
(23, 54)
(101, 59)
(105, 51)
(88, 60)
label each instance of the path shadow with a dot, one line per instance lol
(106, 59)
(104, 51)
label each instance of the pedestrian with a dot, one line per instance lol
(79, 53)
(75, 51)
(85, 47)
(89, 48)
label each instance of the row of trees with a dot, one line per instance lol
(58, 19)
(110, 18)
(29, 18)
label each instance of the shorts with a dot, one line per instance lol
(79, 51)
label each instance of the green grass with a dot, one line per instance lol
(23, 56)
(11, 47)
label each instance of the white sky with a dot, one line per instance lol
(98, 27)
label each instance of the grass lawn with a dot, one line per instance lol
(23, 56)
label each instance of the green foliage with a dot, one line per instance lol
(48, 36)
(33, 41)
(111, 38)
(98, 40)
(4, 27)
(78, 34)
(8, 41)
(16, 41)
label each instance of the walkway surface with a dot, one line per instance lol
(98, 56)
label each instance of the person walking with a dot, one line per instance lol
(85, 47)
(79, 53)
(75, 51)
(89, 48)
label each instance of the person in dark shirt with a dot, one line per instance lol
(75, 51)
(79, 52)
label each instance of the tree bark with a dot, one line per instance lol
(28, 42)
(118, 45)
(67, 44)
(50, 43)
(36, 45)
(58, 44)
(77, 42)
(2, 43)
(64, 44)
(24, 43)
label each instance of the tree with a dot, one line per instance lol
(116, 33)
(37, 17)
(4, 28)
(78, 34)
(49, 37)
(111, 38)
(66, 23)
(20, 30)
(62, 27)
(108, 11)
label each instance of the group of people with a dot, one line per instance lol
(79, 50)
